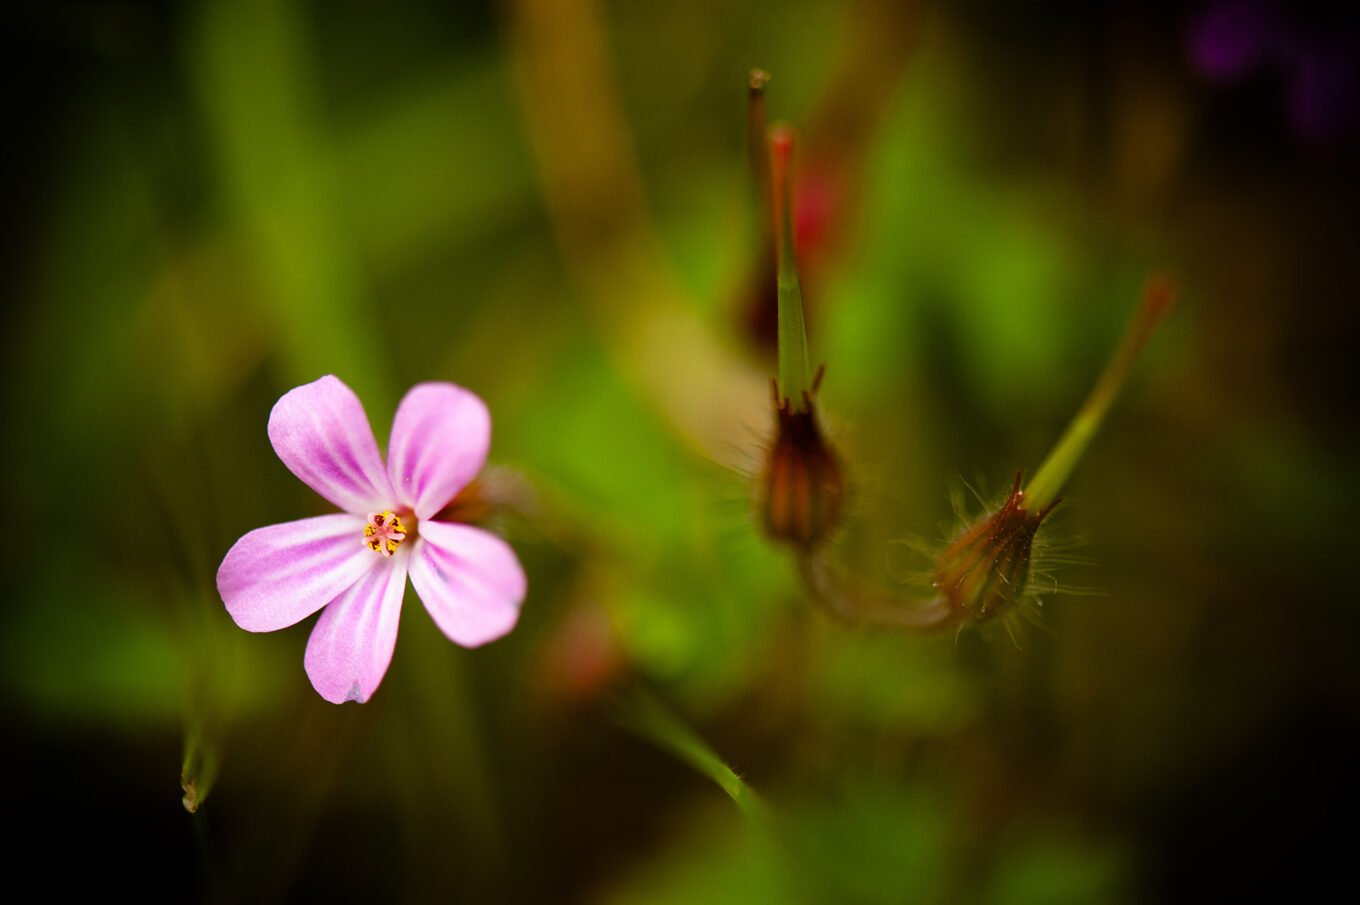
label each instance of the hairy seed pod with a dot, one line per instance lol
(983, 573)
(802, 487)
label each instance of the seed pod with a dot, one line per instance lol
(983, 573)
(802, 487)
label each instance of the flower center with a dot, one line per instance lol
(384, 532)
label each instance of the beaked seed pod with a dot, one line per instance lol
(802, 485)
(983, 573)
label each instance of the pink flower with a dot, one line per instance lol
(355, 563)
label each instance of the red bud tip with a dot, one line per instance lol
(1159, 297)
(781, 155)
(781, 143)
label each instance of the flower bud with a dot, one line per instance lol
(802, 489)
(983, 573)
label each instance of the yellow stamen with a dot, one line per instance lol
(384, 532)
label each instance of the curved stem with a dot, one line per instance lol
(1048, 481)
(856, 606)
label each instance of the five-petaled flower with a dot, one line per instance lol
(355, 563)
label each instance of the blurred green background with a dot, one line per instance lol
(547, 201)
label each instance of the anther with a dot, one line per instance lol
(384, 532)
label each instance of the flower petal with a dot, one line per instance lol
(351, 646)
(321, 433)
(276, 576)
(470, 581)
(440, 438)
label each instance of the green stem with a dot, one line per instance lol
(644, 713)
(1048, 481)
(793, 353)
(198, 770)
